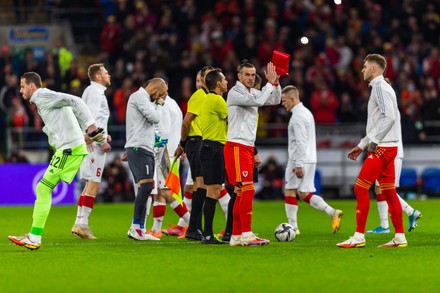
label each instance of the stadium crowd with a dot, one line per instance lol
(174, 39)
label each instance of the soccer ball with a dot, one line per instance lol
(284, 232)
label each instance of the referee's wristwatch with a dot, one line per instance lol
(182, 143)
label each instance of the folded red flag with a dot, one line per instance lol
(281, 62)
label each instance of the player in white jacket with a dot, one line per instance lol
(382, 206)
(301, 165)
(169, 129)
(381, 141)
(243, 102)
(66, 117)
(93, 165)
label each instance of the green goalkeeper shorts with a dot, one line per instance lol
(64, 165)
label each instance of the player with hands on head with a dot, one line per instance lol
(144, 110)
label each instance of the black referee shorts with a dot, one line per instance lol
(192, 149)
(213, 162)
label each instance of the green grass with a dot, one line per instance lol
(310, 263)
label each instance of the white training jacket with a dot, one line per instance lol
(170, 124)
(61, 114)
(383, 113)
(96, 100)
(243, 106)
(142, 114)
(301, 136)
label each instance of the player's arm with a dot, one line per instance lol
(150, 111)
(186, 124)
(301, 139)
(387, 117)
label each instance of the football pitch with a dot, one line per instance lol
(311, 263)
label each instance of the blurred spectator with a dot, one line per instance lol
(111, 38)
(272, 174)
(117, 184)
(120, 100)
(324, 104)
(64, 56)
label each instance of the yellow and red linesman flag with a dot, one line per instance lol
(173, 182)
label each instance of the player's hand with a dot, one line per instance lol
(106, 148)
(124, 157)
(354, 153)
(109, 138)
(179, 151)
(97, 135)
(299, 172)
(257, 161)
(271, 73)
(372, 147)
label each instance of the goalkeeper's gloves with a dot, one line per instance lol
(97, 135)
(159, 142)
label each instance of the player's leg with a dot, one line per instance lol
(141, 163)
(387, 183)
(290, 202)
(306, 192)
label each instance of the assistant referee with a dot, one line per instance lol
(213, 121)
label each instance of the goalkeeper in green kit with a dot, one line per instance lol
(66, 117)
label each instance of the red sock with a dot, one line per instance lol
(291, 200)
(88, 201)
(159, 210)
(246, 207)
(380, 197)
(188, 195)
(394, 206)
(361, 189)
(223, 192)
(81, 200)
(308, 197)
(236, 222)
(180, 210)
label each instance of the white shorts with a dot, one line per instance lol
(93, 165)
(306, 184)
(189, 180)
(397, 169)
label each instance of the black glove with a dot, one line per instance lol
(97, 135)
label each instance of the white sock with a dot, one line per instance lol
(157, 221)
(223, 201)
(78, 215)
(135, 226)
(34, 238)
(85, 214)
(400, 237)
(359, 236)
(182, 222)
(188, 202)
(405, 206)
(246, 234)
(382, 208)
(149, 201)
(184, 218)
(318, 203)
(291, 212)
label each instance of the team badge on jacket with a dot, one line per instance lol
(245, 173)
